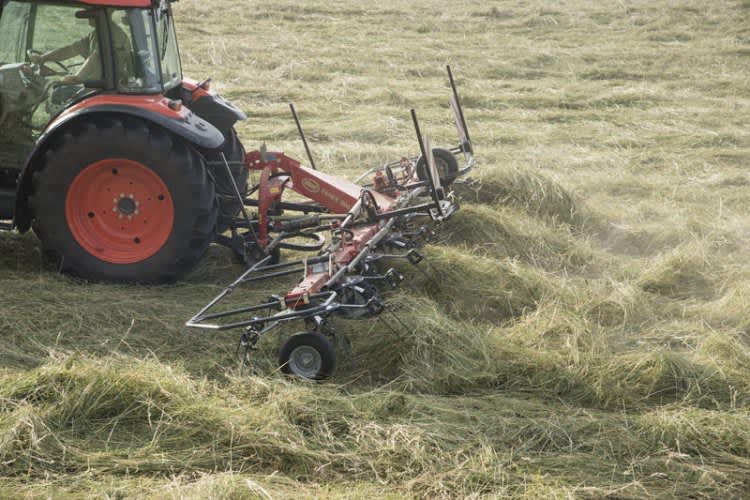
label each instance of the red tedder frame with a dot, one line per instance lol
(279, 172)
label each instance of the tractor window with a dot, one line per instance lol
(13, 32)
(171, 68)
(46, 53)
(69, 43)
(65, 54)
(136, 62)
(17, 96)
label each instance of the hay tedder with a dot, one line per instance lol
(354, 228)
(127, 171)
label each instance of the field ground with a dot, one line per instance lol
(585, 332)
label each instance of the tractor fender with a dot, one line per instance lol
(155, 109)
(210, 106)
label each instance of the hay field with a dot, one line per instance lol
(584, 329)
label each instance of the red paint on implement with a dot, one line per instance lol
(313, 281)
(119, 211)
(270, 191)
(336, 194)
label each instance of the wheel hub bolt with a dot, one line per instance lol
(126, 205)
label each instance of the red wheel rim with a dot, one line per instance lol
(119, 210)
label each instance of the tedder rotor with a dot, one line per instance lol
(354, 228)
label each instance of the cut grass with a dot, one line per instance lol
(582, 327)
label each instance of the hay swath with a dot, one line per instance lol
(353, 227)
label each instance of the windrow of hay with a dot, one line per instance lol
(637, 379)
(123, 414)
(698, 431)
(535, 193)
(476, 288)
(449, 356)
(504, 232)
(729, 310)
(172, 423)
(684, 273)
(547, 351)
(551, 351)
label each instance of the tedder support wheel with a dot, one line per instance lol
(308, 355)
(120, 199)
(446, 165)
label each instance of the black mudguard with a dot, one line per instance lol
(216, 110)
(192, 128)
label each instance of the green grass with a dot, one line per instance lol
(582, 330)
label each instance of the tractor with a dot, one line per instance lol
(124, 169)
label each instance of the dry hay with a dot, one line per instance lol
(581, 329)
(535, 193)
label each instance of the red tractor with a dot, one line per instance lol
(127, 171)
(124, 169)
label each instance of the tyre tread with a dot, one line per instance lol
(160, 146)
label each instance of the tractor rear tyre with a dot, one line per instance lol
(120, 199)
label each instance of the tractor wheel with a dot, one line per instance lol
(446, 165)
(234, 152)
(123, 200)
(308, 355)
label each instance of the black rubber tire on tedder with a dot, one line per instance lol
(446, 164)
(308, 355)
(120, 199)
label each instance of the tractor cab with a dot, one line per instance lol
(55, 54)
